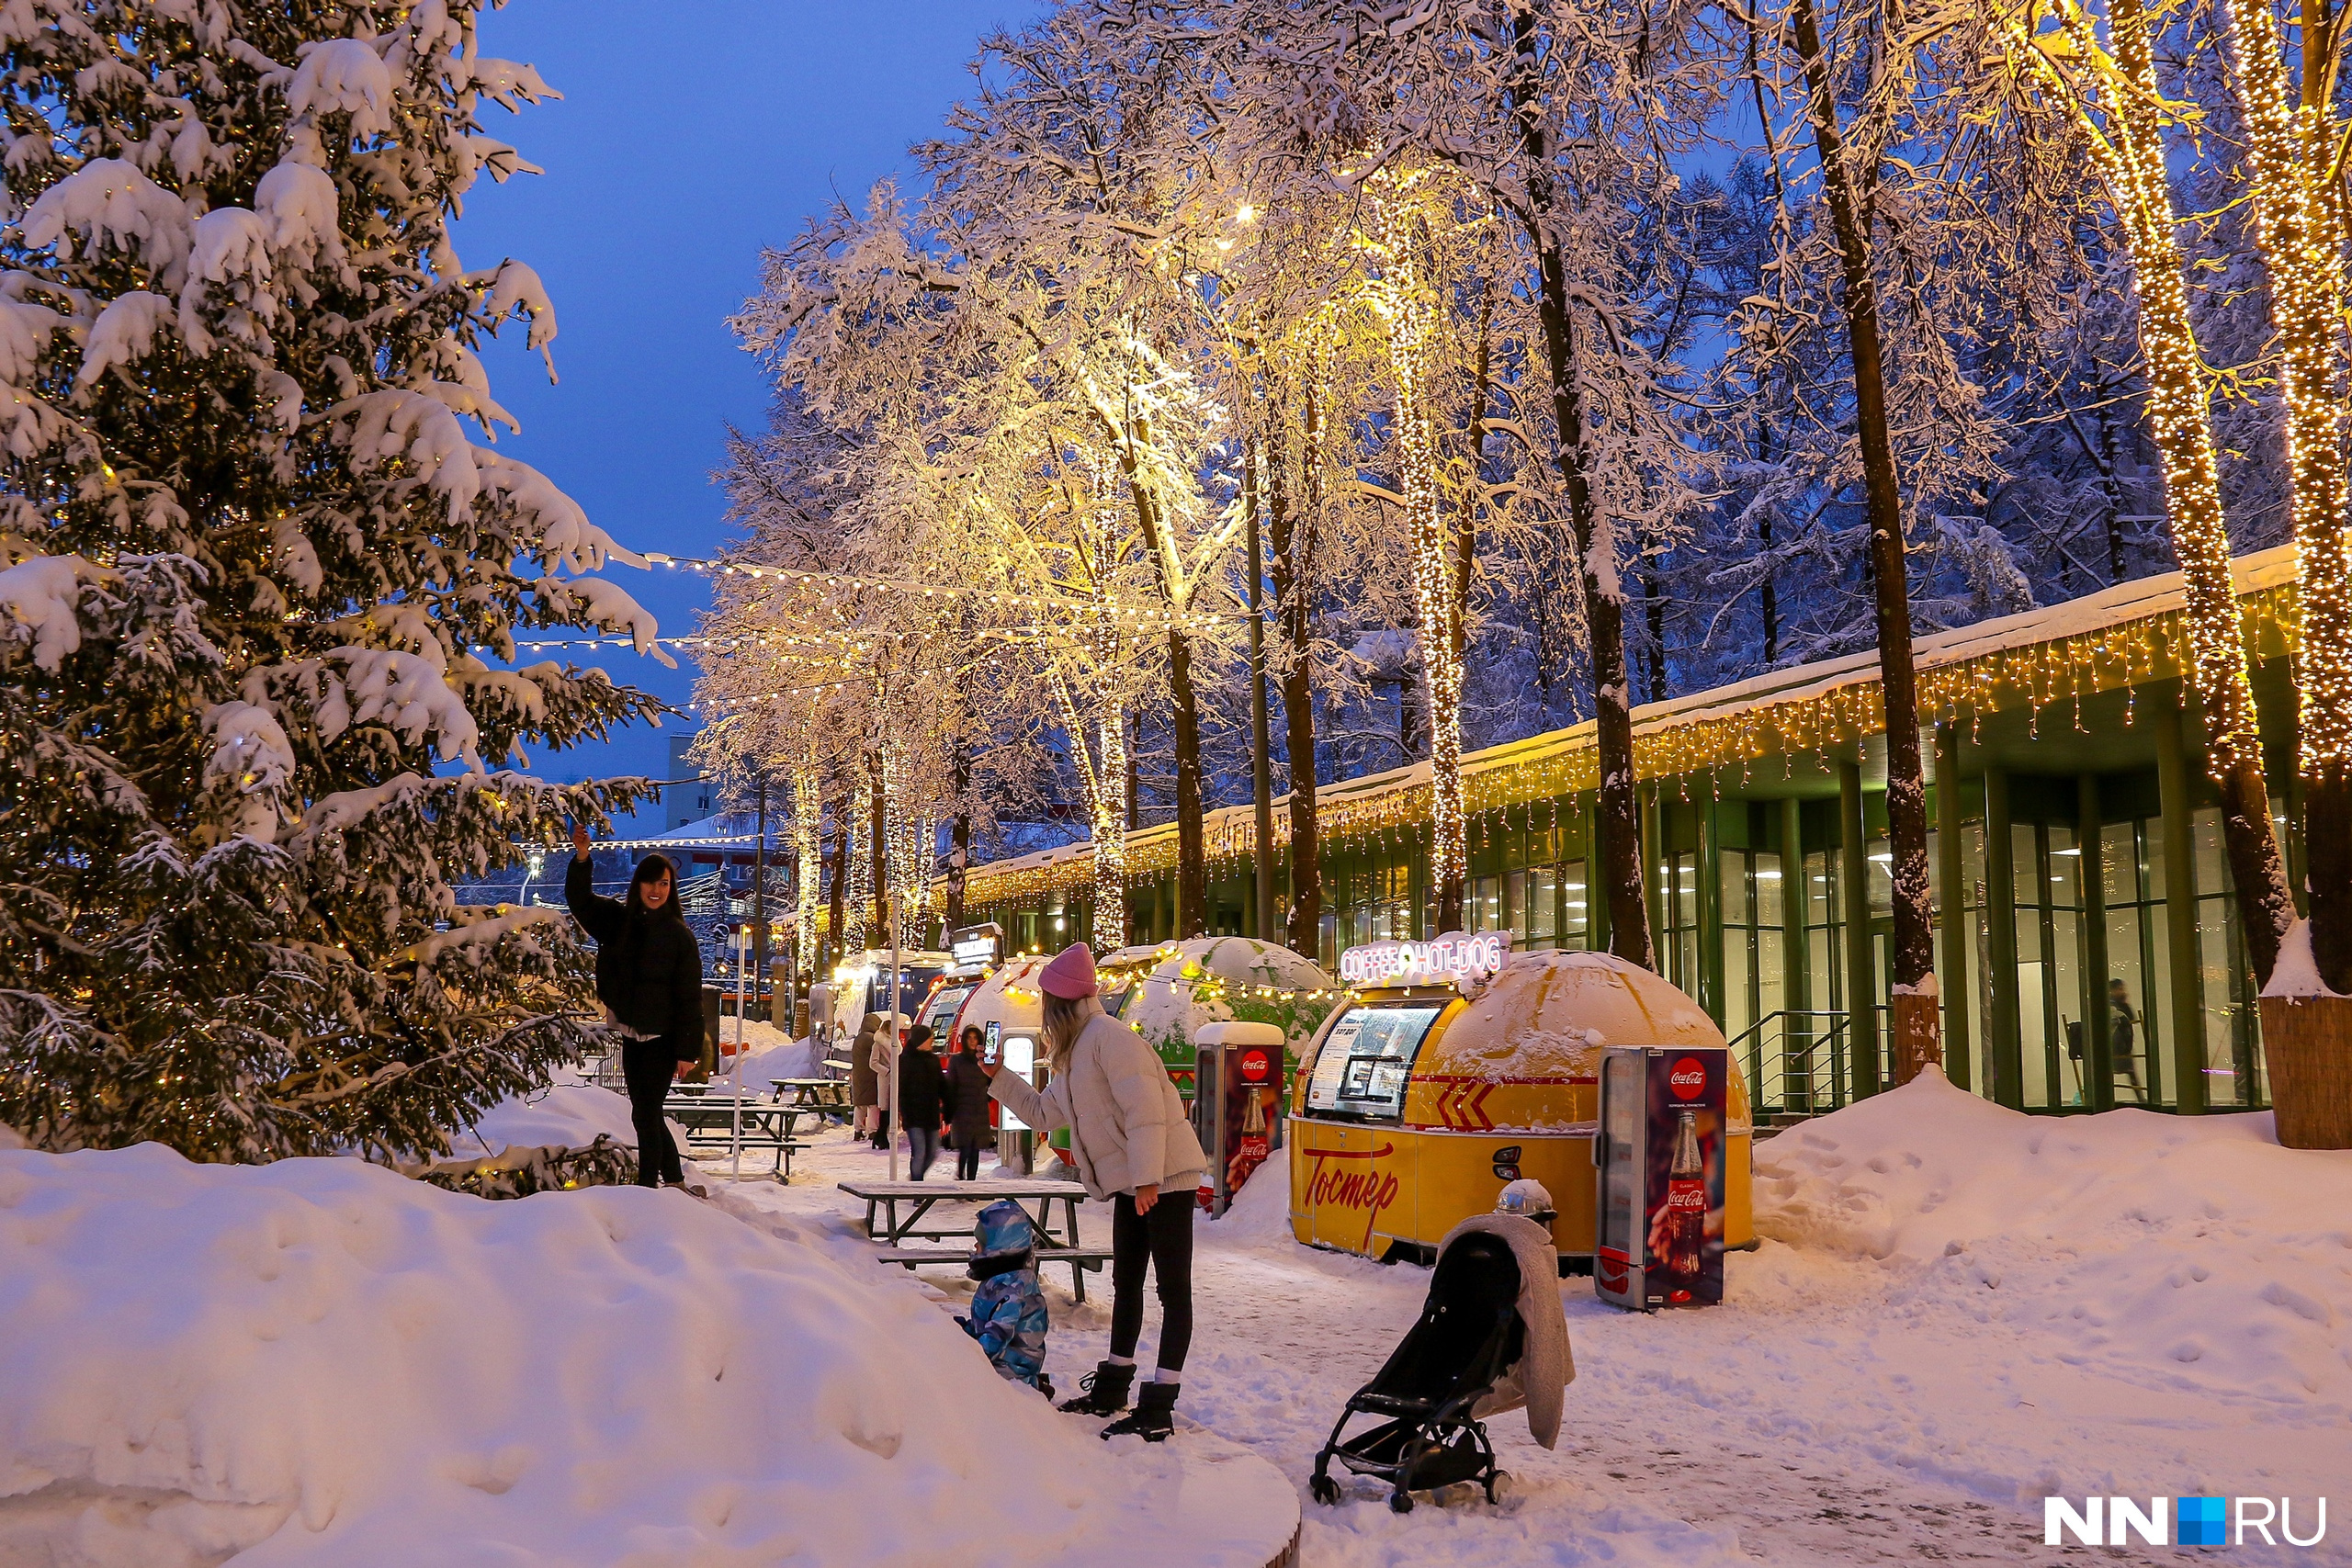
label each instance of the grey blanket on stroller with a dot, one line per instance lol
(1539, 1379)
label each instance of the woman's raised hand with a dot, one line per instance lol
(578, 842)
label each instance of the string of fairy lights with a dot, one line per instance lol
(1712, 750)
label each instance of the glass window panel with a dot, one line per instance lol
(1771, 974)
(1935, 871)
(1825, 987)
(1542, 905)
(1972, 854)
(1686, 892)
(2025, 872)
(1882, 877)
(2033, 1000)
(2064, 881)
(2152, 862)
(2218, 1005)
(1767, 889)
(1731, 881)
(2119, 862)
(1686, 961)
(2205, 833)
(1515, 904)
(1820, 888)
(2067, 1001)
(1739, 1004)
(1576, 920)
(2126, 988)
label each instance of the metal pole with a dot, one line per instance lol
(742, 936)
(759, 908)
(890, 1107)
(1260, 738)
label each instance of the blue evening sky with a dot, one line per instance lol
(691, 133)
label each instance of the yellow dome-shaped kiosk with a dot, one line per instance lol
(1415, 1104)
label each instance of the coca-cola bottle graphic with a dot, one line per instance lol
(1686, 1211)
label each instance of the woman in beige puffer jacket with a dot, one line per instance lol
(1134, 1150)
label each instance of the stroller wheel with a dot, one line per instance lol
(1503, 1485)
(1400, 1501)
(1324, 1490)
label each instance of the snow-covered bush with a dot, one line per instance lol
(249, 555)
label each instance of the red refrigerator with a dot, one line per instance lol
(1659, 1181)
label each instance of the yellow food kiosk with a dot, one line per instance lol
(1456, 1070)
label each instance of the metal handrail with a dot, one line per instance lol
(1794, 1082)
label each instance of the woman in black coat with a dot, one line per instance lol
(649, 976)
(921, 1083)
(967, 1104)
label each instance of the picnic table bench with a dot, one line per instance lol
(1081, 1259)
(765, 1124)
(1053, 1246)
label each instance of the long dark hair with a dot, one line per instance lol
(653, 868)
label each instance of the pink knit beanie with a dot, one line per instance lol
(1070, 975)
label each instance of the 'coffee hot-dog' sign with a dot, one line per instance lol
(1437, 962)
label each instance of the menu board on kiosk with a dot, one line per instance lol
(1367, 1059)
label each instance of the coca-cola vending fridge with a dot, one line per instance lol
(1659, 1182)
(1237, 1091)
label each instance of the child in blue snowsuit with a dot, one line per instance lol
(1008, 1309)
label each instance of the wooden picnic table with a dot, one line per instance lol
(824, 1094)
(766, 1124)
(921, 1197)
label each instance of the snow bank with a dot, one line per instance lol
(2186, 1253)
(1259, 1217)
(768, 1054)
(570, 1115)
(321, 1362)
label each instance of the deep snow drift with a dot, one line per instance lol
(327, 1363)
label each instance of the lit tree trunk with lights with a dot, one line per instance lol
(807, 822)
(2292, 151)
(1403, 301)
(2114, 106)
(1917, 1042)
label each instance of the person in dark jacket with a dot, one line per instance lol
(921, 1085)
(967, 1104)
(649, 976)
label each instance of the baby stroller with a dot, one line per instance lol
(1472, 1354)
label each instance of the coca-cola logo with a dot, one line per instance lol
(1254, 1066)
(1686, 1195)
(1688, 1078)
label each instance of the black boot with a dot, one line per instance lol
(1155, 1415)
(1106, 1390)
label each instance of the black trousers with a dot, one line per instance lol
(923, 1147)
(968, 1157)
(1162, 1239)
(648, 1071)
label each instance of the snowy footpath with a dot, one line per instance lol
(1956, 1311)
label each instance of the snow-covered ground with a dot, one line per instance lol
(321, 1362)
(1957, 1311)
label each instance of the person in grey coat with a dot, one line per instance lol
(1135, 1150)
(865, 1086)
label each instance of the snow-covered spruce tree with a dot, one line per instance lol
(247, 552)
